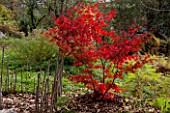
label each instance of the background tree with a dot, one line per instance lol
(152, 15)
(158, 18)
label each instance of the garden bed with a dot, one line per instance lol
(80, 103)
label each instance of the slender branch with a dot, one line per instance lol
(162, 10)
(103, 66)
(2, 66)
(24, 2)
(38, 22)
(115, 66)
(165, 37)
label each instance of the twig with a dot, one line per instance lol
(161, 10)
(37, 94)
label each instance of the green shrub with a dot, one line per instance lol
(35, 51)
(138, 83)
(149, 86)
(7, 17)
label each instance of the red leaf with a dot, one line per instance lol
(52, 40)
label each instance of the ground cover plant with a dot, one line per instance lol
(81, 34)
(148, 87)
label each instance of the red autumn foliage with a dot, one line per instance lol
(80, 34)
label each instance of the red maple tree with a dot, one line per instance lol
(81, 34)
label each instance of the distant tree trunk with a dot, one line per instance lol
(32, 20)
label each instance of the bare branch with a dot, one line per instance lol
(161, 10)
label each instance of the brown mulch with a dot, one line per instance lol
(82, 103)
(86, 104)
(21, 103)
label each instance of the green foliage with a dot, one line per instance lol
(70, 87)
(149, 86)
(62, 101)
(139, 82)
(4, 42)
(7, 17)
(163, 103)
(27, 81)
(34, 50)
(162, 92)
